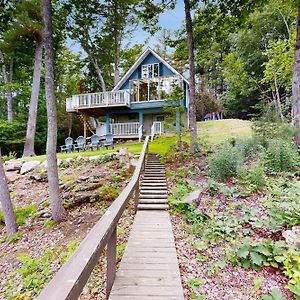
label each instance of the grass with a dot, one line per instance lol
(214, 131)
(218, 131)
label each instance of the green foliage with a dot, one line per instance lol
(281, 156)
(255, 179)
(265, 253)
(291, 265)
(275, 295)
(49, 223)
(30, 278)
(17, 236)
(21, 213)
(226, 162)
(12, 136)
(109, 192)
(195, 283)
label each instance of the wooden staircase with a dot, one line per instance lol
(153, 193)
(81, 118)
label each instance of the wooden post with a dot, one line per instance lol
(84, 127)
(136, 196)
(111, 261)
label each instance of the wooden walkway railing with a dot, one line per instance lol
(70, 280)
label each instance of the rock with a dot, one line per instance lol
(192, 196)
(29, 166)
(123, 151)
(95, 157)
(38, 177)
(82, 178)
(69, 160)
(13, 165)
(46, 215)
(292, 237)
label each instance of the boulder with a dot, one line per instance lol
(29, 166)
(192, 196)
(292, 237)
(95, 157)
(123, 151)
(13, 165)
(134, 162)
(39, 177)
(69, 160)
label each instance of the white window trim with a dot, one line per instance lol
(147, 71)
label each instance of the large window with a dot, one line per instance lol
(150, 71)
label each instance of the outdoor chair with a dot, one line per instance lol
(68, 147)
(94, 142)
(80, 143)
(109, 141)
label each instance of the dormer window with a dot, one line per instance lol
(150, 71)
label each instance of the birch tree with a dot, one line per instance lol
(6, 205)
(53, 182)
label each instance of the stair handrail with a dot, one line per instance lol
(140, 132)
(70, 280)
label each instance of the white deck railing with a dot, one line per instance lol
(124, 129)
(97, 100)
(157, 128)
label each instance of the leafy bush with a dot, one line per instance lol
(255, 178)
(109, 192)
(280, 156)
(227, 161)
(30, 278)
(255, 255)
(291, 265)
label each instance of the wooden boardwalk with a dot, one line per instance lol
(149, 268)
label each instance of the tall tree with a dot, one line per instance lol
(192, 87)
(6, 205)
(296, 80)
(55, 199)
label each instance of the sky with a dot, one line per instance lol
(172, 20)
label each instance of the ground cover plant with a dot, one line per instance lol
(232, 238)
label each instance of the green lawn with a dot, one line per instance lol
(220, 130)
(214, 131)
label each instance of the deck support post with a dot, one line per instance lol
(111, 262)
(107, 122)
(84, 127)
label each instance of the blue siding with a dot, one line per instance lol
(149, 59)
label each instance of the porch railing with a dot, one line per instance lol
(74, 274)
(121, 129)
(156, 129)
(97, 100)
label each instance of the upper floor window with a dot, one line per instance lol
(149, 71)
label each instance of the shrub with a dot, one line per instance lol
(280, 156)
(109, 192)
(227, 161)
(291, 265)
(255, 178)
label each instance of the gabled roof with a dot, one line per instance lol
(138, 62)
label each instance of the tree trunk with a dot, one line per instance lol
(6, 205)
(98, 71)
(278, 100)
(296, 82)
(55, 199)
(31, 123)
(7, 80)
(192, 87)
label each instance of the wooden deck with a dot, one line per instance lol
(149, 268)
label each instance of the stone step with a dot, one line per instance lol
(150, 196)
(153, 201)
(153, 207)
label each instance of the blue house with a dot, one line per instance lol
(136, 105)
